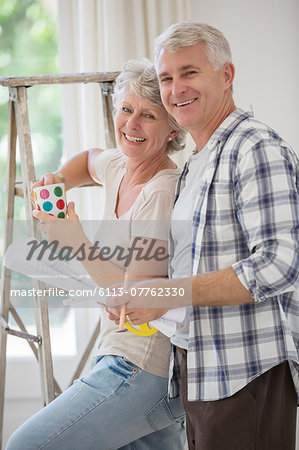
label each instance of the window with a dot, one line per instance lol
(29, 47)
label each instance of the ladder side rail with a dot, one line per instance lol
(41, 308)
(22, 327)
(8, 233)
(106, 90)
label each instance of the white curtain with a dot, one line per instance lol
(98, 36)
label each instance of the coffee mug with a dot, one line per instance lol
(51, 199)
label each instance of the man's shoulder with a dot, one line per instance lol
(242, 127)
(251, 133)
(251, 128)
(258, 128)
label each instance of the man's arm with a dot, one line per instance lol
(151, 299)
(268, 214)
(221, 288)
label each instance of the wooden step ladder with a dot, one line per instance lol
(18, 127)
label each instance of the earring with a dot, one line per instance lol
(169, 139)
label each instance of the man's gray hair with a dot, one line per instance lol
(139, 76)
(184, 34)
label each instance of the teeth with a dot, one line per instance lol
(134, 139)
(186, 103)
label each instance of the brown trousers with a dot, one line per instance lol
(261, 416)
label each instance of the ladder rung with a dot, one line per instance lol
(19, 192)
(60, 78)
(20, 334)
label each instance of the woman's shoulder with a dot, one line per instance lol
(111, 154)
(111, 159)
(152, 211)
(158, 194)
(164, 180)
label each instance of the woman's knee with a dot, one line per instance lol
(19, 440)
(30, 435)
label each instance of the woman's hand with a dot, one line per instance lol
(113, 314)
(142, 305)
(68, 232)
(158, 293)
(48, 178)
(136, 316)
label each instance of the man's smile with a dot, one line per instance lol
(187, 102)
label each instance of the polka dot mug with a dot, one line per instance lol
(51, 199)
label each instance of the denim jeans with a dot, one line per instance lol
(117, 405)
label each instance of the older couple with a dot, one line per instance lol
(237, 264)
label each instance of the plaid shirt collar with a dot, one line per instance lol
(220, 135)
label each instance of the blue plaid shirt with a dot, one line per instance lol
(246, 216)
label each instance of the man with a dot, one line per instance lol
(240, 362)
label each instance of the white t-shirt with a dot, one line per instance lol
(149, 216)
(181, 232)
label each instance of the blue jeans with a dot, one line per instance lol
(117, 405)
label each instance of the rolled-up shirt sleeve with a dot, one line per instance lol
(266, 195)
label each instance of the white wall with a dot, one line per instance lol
(264, 38)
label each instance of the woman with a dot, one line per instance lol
(122, 402)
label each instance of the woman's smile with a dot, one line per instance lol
(134, 139)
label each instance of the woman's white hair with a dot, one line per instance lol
(184, 34)
(139, 76)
